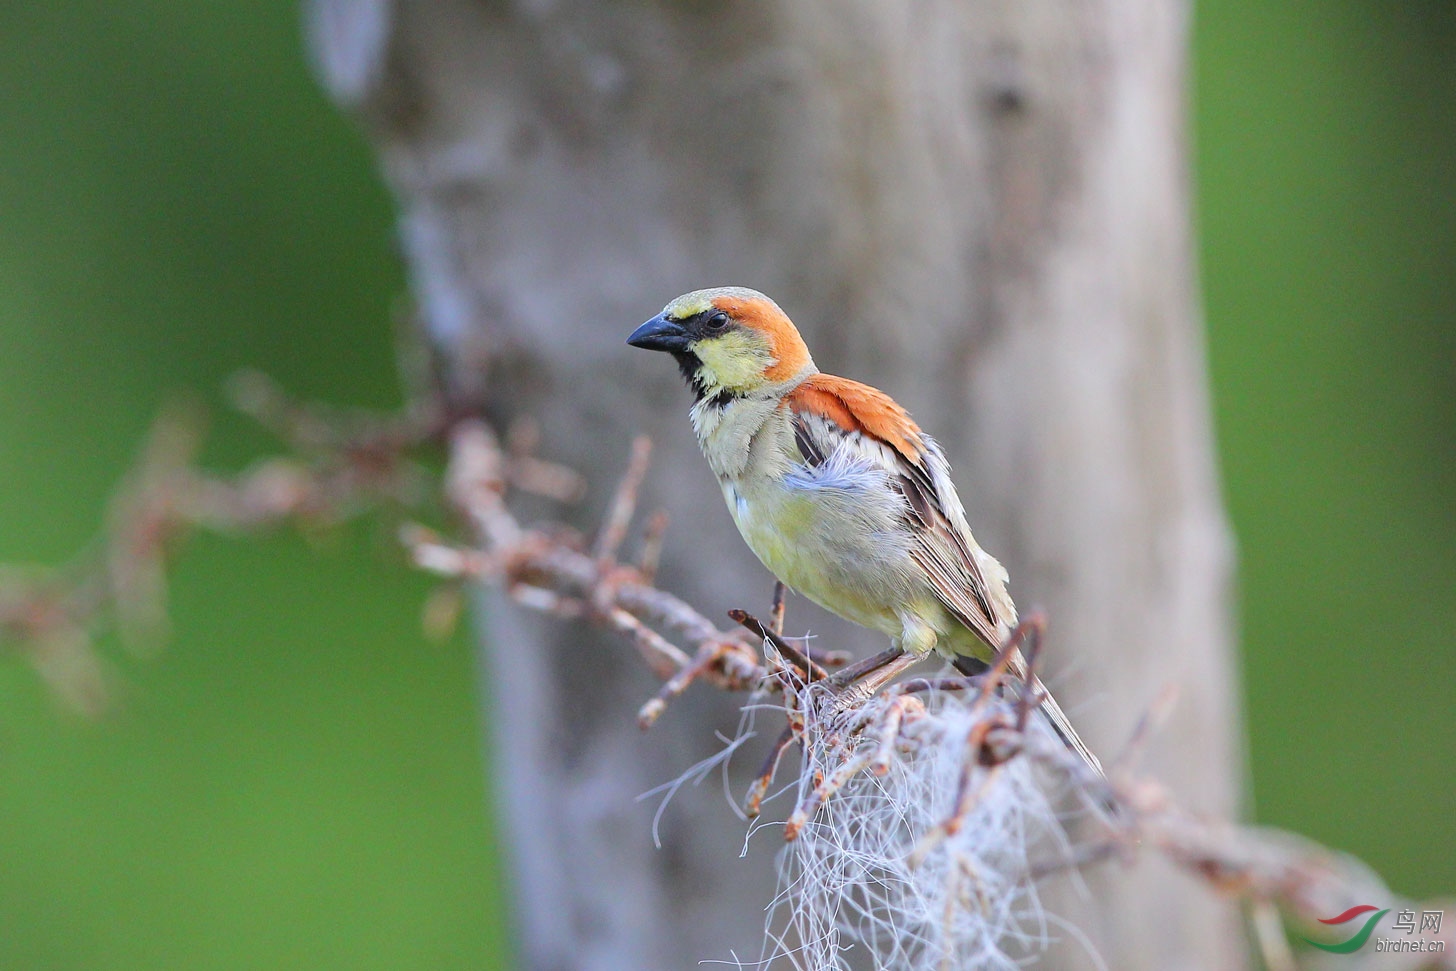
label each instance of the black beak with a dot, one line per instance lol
(660, 334)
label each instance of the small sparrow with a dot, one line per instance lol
(836, 489)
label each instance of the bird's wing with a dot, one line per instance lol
(970, 583)
(956, 566)
(830, 411)
(856, 408)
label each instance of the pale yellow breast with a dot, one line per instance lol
(834, 533)
(820, 551)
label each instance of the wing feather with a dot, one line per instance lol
(965, 578)
(956, 566)
(950, 557)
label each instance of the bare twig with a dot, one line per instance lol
(809, 670)
(343, 464)
(540, 570)
(624, 501)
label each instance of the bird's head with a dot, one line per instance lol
(728, 340)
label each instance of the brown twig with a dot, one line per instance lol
(776, 613)
(344, 464)
(621, 596)
(652, 538)
(624, 501)
(808, 670)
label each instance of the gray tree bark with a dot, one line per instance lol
(977, 205)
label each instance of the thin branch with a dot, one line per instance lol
(343, 464)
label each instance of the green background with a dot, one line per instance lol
(296, 781)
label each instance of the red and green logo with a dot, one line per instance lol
(1361, 936)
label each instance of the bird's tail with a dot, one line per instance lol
(1063, 727)
(1055, 717)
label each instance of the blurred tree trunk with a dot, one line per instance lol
(978, 205)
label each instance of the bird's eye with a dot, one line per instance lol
(716, 322)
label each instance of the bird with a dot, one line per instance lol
(837, 491)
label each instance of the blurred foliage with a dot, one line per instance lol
(296, 781)
(1326, 167)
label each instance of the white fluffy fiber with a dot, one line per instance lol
(874, 880)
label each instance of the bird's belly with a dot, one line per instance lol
(848, 553)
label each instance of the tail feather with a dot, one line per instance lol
(1063, 727)
(1055, 717)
